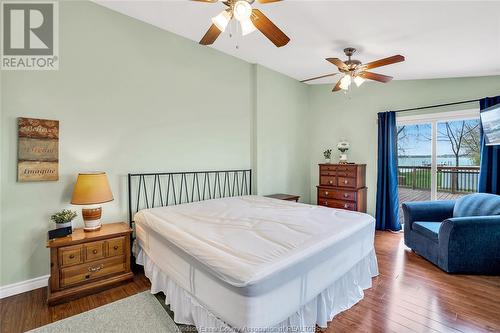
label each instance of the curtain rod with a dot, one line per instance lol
(437, 106)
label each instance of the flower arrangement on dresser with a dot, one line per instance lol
(327, 154)
(63, 218)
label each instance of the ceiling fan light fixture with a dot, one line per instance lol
(359, 81)
(222, 20)
(242, 10)
(345, 82)
(247, 27)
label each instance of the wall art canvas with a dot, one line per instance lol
(37, 150)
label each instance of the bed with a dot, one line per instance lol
(235, 262)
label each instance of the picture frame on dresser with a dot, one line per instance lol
(342, 186)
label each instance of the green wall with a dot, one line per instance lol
(282, 134)
(133, 98)
(354, 116)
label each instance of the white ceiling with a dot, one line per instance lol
(439, 39)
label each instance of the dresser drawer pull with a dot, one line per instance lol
(326, 193)
(346, 205)
(72, 256)
(94, 251)
(96, 268)
(346, 181)
(331, 181)
(115, 247)
(346, 195)
(326, 202)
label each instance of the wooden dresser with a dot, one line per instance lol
(342, 186)
(85, 262)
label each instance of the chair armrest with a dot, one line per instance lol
(470, 244)
(429, 211)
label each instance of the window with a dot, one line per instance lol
(438, 155)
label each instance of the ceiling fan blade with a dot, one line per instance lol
(319, 77)
(383, 62)
(337, 87)
(272, 32)
(375, 77)
(211, 35)
(268, 1)
(209, 1)
(337, 62)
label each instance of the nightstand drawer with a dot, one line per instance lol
(86, 272)
(93, 251)
(115, 246)
(70, 255)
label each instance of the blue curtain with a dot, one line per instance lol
(489, 175)
(387, 210)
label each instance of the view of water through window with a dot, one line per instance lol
(457, 160)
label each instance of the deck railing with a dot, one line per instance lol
(449, 179)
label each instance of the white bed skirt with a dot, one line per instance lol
(339, 296)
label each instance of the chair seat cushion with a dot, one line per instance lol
(427, 229)
(478, 204)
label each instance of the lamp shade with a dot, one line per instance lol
(91, 188)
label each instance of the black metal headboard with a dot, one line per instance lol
(149, 190)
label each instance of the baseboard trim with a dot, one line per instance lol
(24, 286)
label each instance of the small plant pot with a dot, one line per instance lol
(328, 160)
(63, 225)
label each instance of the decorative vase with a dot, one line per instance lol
(328, 160)
(343, 158)
(63, 225)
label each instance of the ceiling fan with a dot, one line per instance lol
(354, 70)
(250, 20)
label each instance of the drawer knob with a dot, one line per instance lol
(326, 202)
(72, 256)
(96, 268)
(346, 195)
(331, 181)
(87, 276)
(346, 181)
(94, 251)
(346, 205)
(326, 193)
(115, 247)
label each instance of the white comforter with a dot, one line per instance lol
(245, 239)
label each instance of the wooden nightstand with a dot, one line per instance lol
(85, 262)
(287, 197)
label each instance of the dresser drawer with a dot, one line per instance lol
(93, 251)
(90, 271)
(347, 182)
(70, 255)
(328, 173)
(350, 174)
(324, 167)
(115, 246)
(337, 194)
(328, 181)
(350, 168)
(332, 203)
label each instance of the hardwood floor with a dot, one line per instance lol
(409, 295)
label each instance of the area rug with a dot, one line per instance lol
(139, 313)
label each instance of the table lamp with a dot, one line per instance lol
(91, 189)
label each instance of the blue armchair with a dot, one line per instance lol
(460, 236)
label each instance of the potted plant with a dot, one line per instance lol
(328, 154)
(63, 218)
